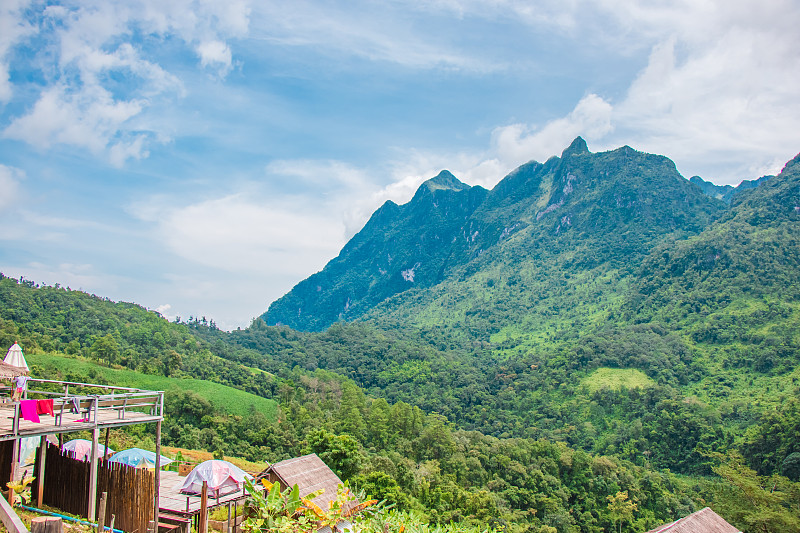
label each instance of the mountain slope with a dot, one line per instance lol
(737, 284)
(384, 257)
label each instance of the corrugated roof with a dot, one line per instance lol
(310, 474)
(703, 521)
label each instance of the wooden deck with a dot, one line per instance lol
(81, 408)
(171, 500)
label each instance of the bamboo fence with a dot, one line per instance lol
(131, 491)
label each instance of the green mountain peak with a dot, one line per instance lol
(578, 146)
(445, 180)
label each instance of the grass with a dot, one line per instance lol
(616, 379)
(227, 399)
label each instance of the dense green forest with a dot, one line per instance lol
(410, 456)
(593, 331)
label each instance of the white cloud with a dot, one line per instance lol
(390, 34)
(518, 143)
(13, 28)
(10, 178)
(718, 93)
(732, 99)
(89, 119)
(241, 234)
(215, 54)
(85, 47)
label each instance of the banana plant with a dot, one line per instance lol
(286, 511)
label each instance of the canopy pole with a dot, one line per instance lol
(93, 474)
(157, 472)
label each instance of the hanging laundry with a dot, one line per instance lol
(28, 410)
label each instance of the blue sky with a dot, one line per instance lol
(202, 157)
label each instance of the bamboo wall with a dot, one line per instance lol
(131, 491)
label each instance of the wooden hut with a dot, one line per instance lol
(309, 473)
(703, 521)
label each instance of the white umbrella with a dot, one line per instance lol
(14, 357)
(222, 478)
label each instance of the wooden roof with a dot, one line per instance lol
(703, 521)
(310, 474)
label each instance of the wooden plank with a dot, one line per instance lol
(203, 509)
(10, 519)
(14, 461)
(101, 515)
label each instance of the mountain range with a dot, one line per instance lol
(564, 226)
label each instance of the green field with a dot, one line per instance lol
(616, 379)
(224, 398)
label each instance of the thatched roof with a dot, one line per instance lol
(703, 521)
(10, 372)
(310, 474)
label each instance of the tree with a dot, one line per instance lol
(791, 466)
(340, 452)
(621, 507)
(762, 503)
(106, 349)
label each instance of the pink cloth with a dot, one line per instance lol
(28, 409)
(45, 407)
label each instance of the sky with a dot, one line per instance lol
(201, 157)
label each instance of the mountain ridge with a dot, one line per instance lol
(448, 224)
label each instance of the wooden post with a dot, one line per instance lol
(92, 511)
(156, 505)
(101, 516)
(14, 460)
(105, 445)
(111, 525)
(46, 524)
(42, 459)
(203, 528)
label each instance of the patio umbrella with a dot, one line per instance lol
(14, 357)
(10, 371)
(82, 449)
(138, 458)
(222, 478)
